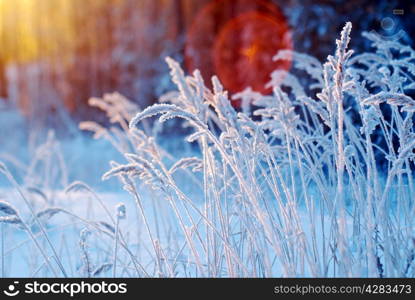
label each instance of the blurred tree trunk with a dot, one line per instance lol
(179, 9)
(3, 80)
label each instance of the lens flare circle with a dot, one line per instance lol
(243, 51)
(236, 39)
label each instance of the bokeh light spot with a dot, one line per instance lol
(236, 40)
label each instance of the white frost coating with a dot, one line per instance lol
(315, 179)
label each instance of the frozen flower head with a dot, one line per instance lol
(121, 211)
(84, 234)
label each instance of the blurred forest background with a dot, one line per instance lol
(58, 53)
